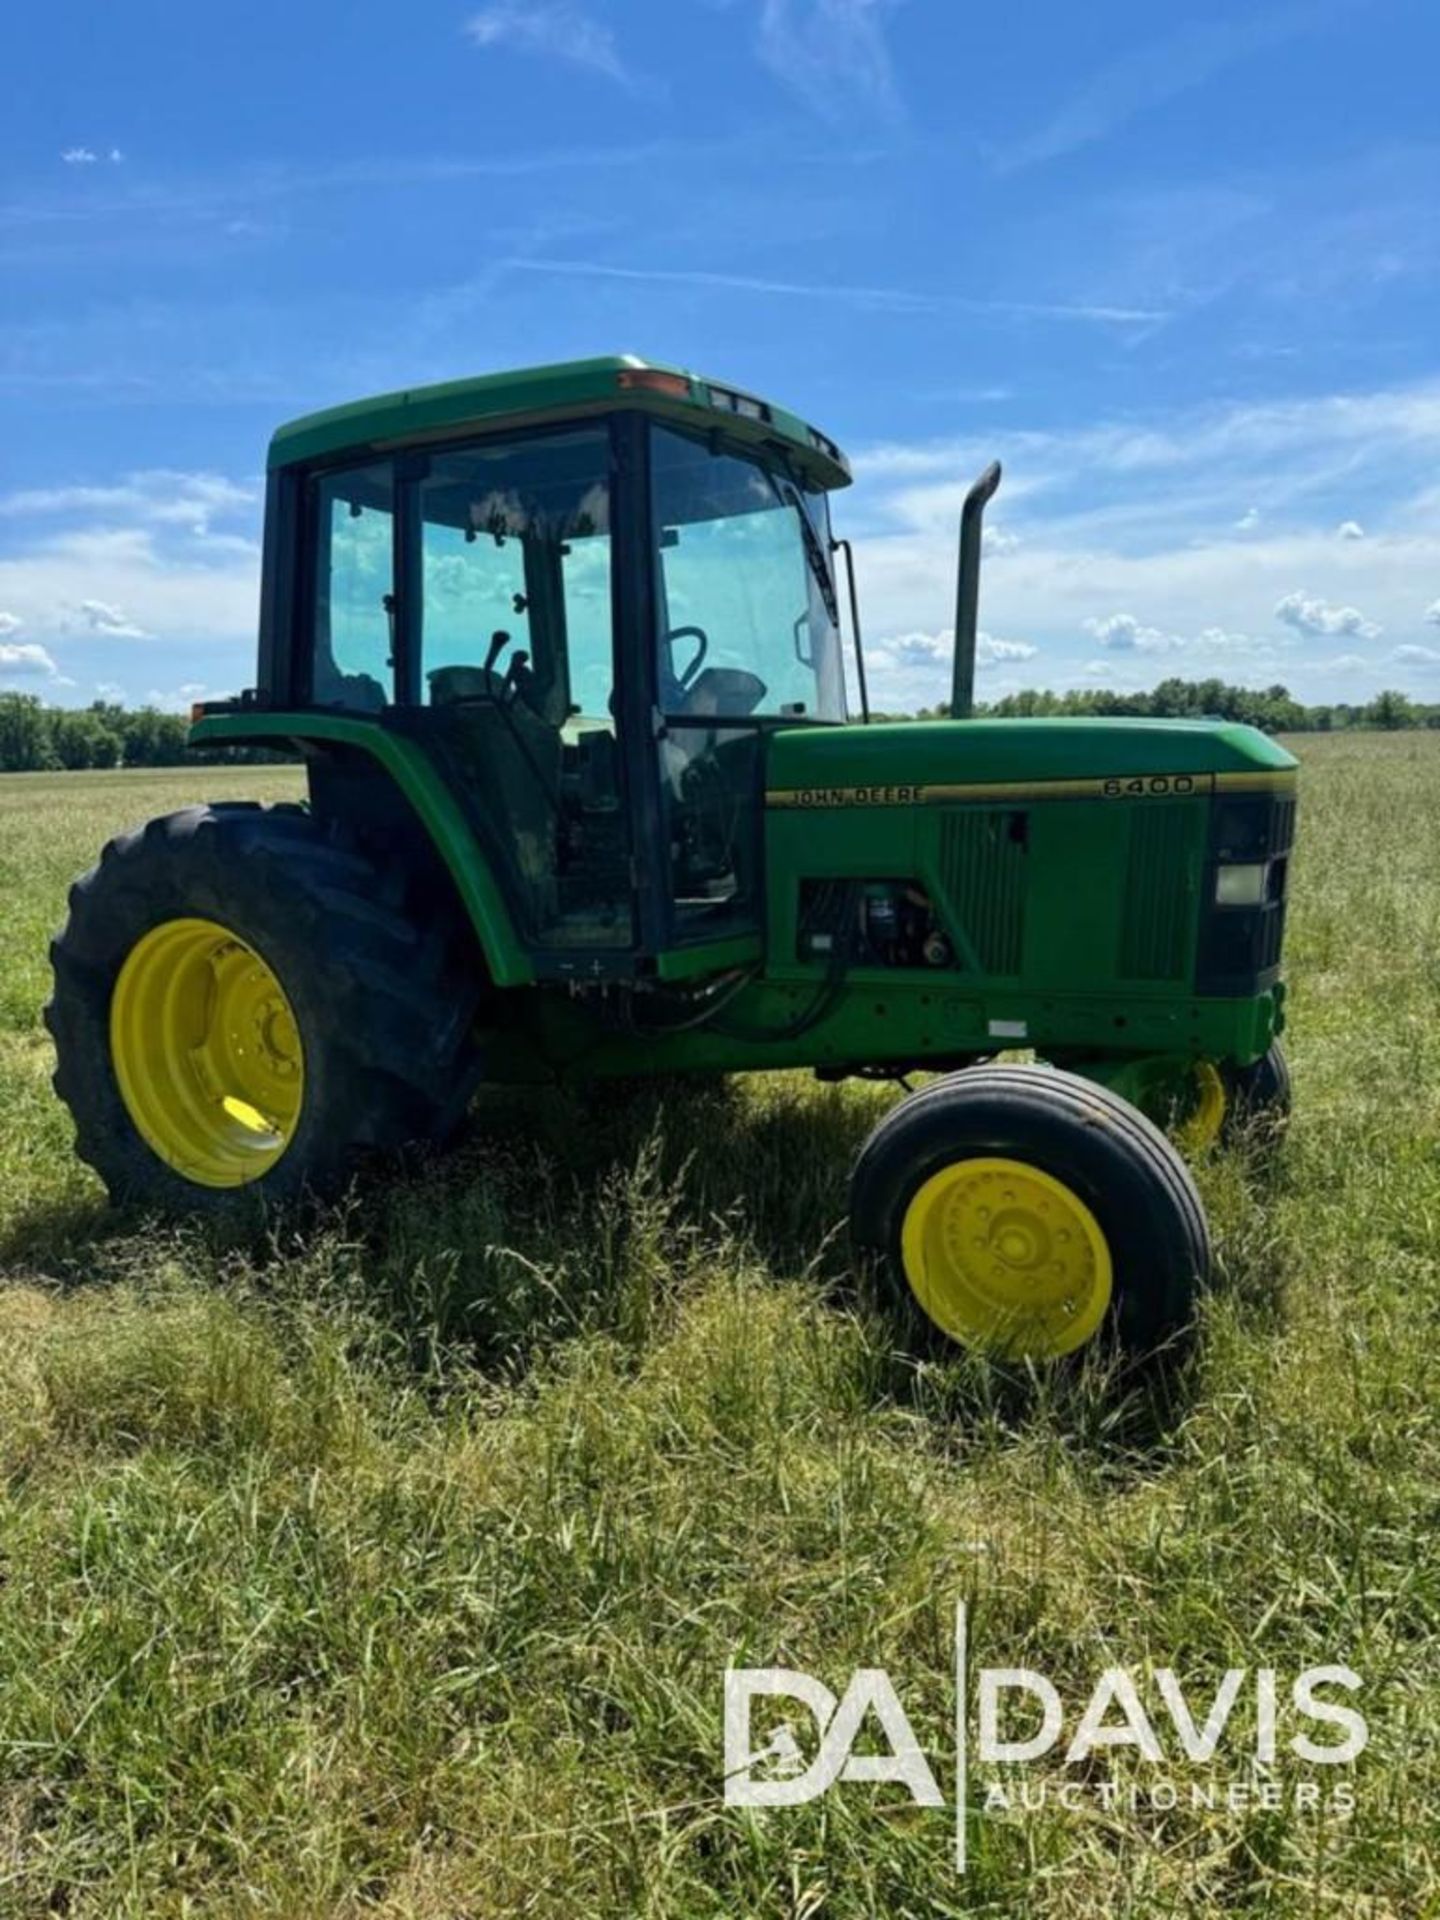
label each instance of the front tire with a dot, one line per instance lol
(243, 1008)
(1258, 1099)
(1030, 1213)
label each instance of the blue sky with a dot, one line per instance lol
(1177, 265)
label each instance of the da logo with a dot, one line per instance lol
(788, 1781)
(1162, 1727)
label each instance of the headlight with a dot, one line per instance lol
(1241, 886)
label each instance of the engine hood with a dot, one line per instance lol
(881, 764)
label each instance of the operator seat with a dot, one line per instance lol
(507, 760)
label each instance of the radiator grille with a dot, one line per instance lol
(982, 871)
(1153, 931)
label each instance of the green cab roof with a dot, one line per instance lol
(569, 388)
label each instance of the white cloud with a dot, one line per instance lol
(1125, 634)
(1347, 663)
(1432, 614)
(1416, 656)
(100, 617)
(79, 157)
(1139, 516)
(998, 540)
(176, 699)
(1309, 615)
(161, 496)
(25, 661)
(931, 649)
(9, 623)
(1248, 520)
(554, 28)
(990, 653)
(832, 53)
(1350, 530)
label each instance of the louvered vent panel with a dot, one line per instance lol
(1153, 944)
(982, 864)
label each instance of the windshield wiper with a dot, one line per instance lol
(789, 495)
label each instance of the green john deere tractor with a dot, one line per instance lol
(562, 652)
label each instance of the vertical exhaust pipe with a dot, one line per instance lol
(967, 592)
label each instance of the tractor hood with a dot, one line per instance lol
(889, 763)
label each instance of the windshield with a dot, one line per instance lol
(746, 603)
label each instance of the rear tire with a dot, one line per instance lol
(1030, 1213)
(377, 1011)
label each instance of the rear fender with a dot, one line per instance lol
(428, 803)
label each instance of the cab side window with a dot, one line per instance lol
(353, 622)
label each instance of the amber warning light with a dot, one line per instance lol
(648, 380)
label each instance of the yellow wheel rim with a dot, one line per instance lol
(207, 1053)
(1200, 1129)
(1006, 1258)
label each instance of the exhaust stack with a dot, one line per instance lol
(967, 591)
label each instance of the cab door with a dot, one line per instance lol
(747, 640)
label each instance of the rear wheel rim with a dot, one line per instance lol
(1006, 1258)
(207, 1053)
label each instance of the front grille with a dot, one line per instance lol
(1153, 944)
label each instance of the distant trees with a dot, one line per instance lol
(1274, 709)
(35, 738)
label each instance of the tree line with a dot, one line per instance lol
(38, 739)
(1273, 709)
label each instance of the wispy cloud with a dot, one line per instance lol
(164, 497)
(1147, 76)
(892, 299)
(88, 157)
(555, 29)
(100, 617)
(833, 53)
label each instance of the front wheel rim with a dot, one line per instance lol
(1006, 1258)
(207, 1053)
(1204, 1123)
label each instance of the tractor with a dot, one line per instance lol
(594, 795)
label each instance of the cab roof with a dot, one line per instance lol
(568, 388)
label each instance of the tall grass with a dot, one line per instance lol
(394, 1571)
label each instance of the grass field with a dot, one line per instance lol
(394, 1571)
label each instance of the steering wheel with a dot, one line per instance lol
(693, 633)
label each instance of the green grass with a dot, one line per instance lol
(393, 1571)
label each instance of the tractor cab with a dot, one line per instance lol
(584, 624)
